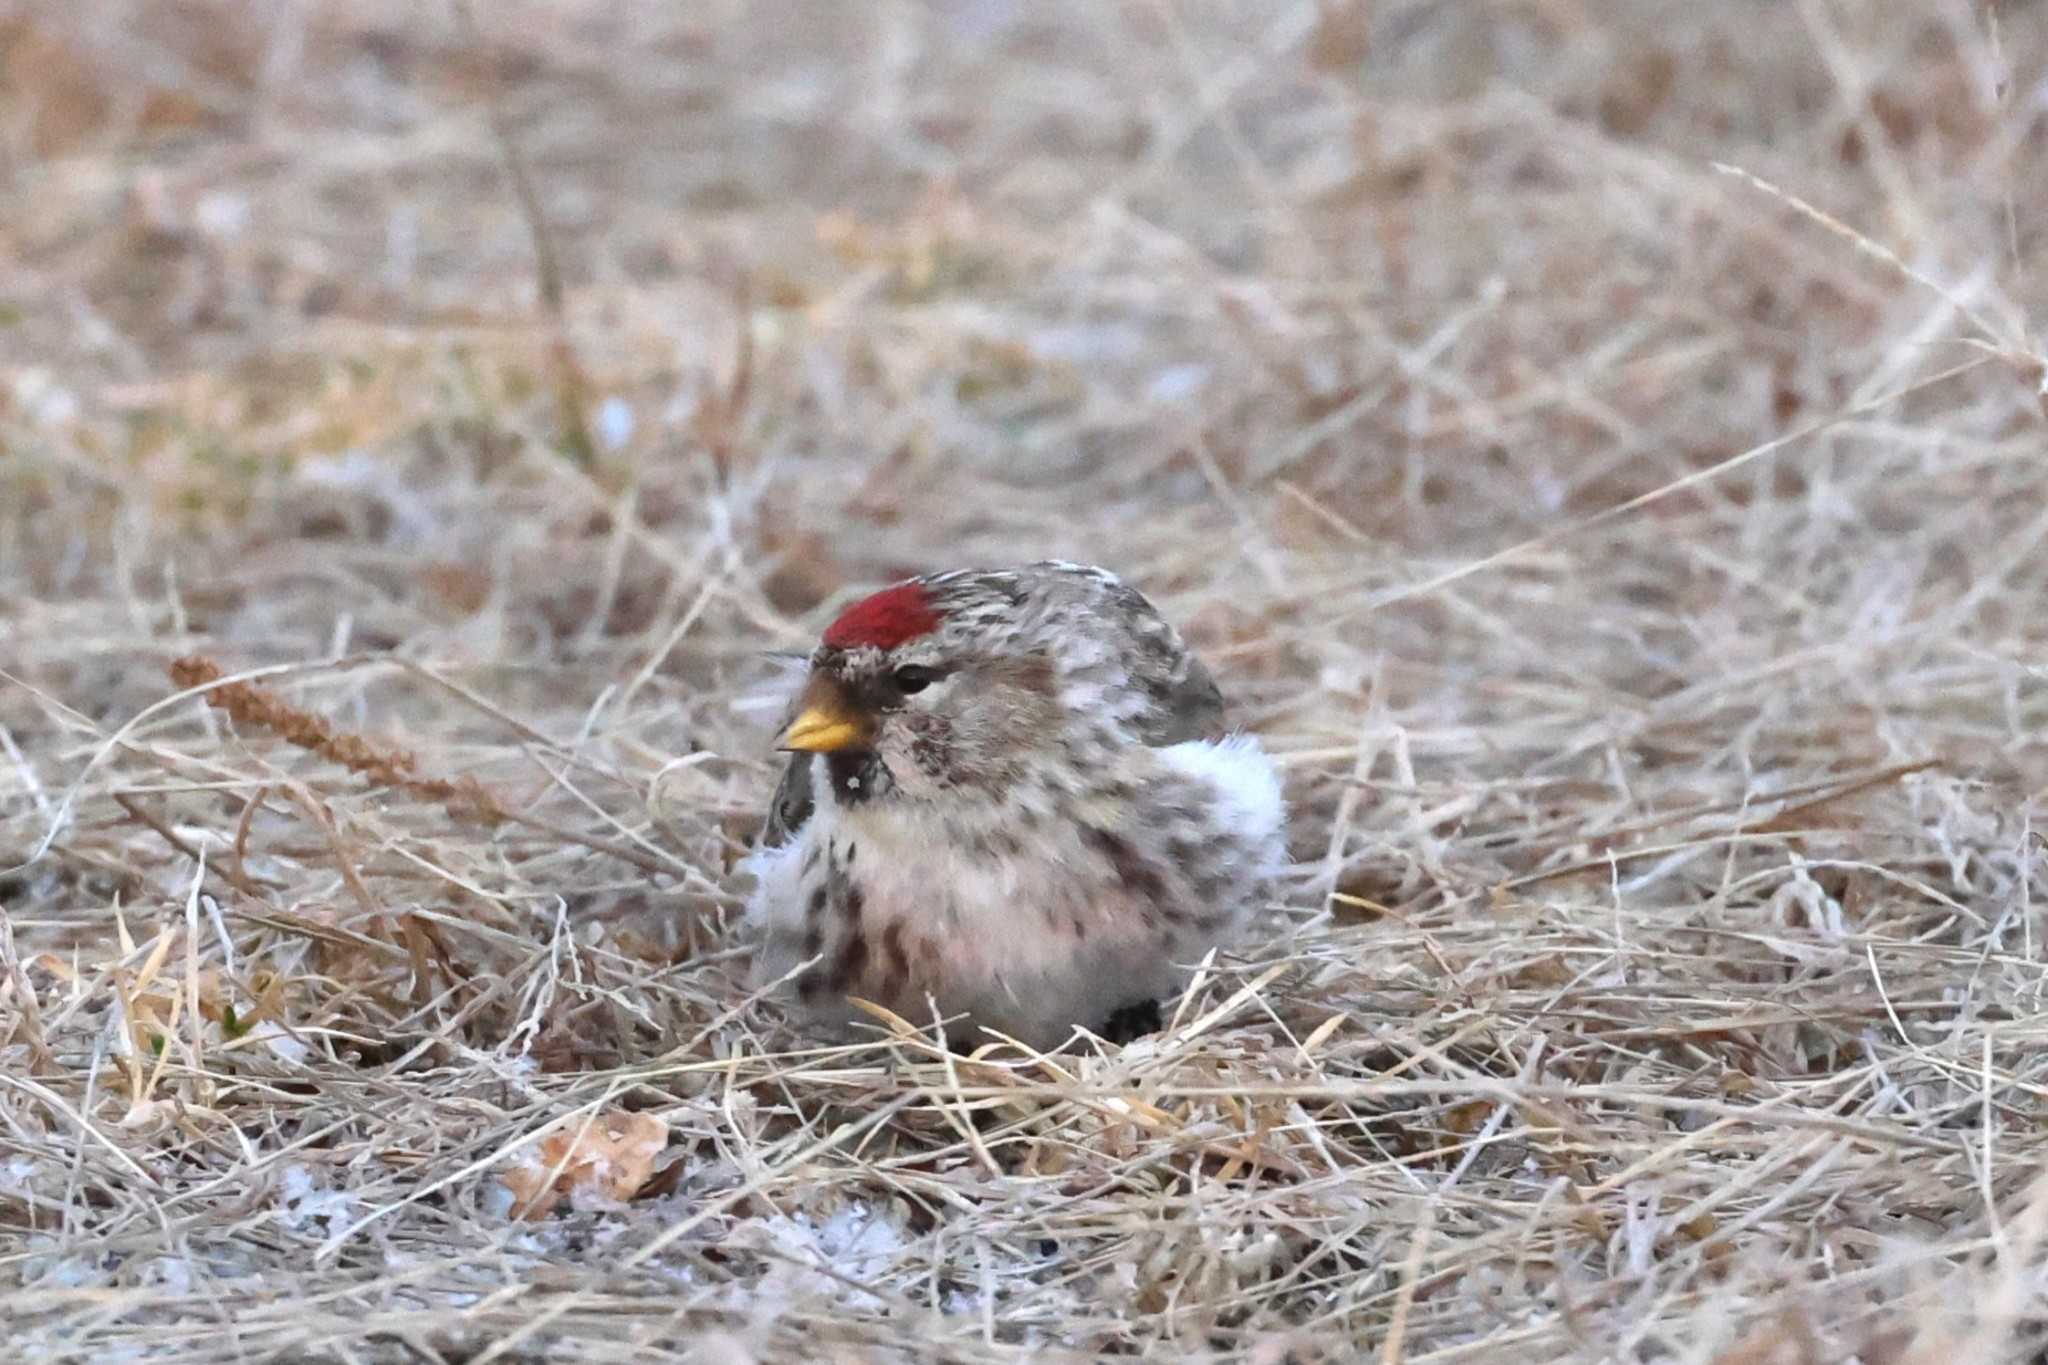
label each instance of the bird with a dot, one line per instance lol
(1011, 805)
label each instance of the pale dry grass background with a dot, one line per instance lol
(1662, 973)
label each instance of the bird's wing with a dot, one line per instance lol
(1185, 702)
(1185, 705)
(792, 804)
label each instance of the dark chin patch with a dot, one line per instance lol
(857, 777)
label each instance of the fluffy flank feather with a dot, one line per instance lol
(1246, 784)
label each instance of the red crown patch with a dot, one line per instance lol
(885, 620)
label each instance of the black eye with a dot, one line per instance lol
(911, 678)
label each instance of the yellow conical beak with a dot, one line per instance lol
(826, 722)
(816, 732)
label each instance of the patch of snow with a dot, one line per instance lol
(361, 473)
(496, 1200)
(172, 1273)
(302, 1202)
(546, 1239)
(615, 422)
(1086, 343)
(45, 401)
(222, 213)
(82, 1270)
(857, 1242)
(1176, 384)
(281, 1043)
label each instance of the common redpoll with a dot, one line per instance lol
(1011, 799)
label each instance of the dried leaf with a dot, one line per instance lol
(608, 1158)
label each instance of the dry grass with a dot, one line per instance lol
(1638, 564)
